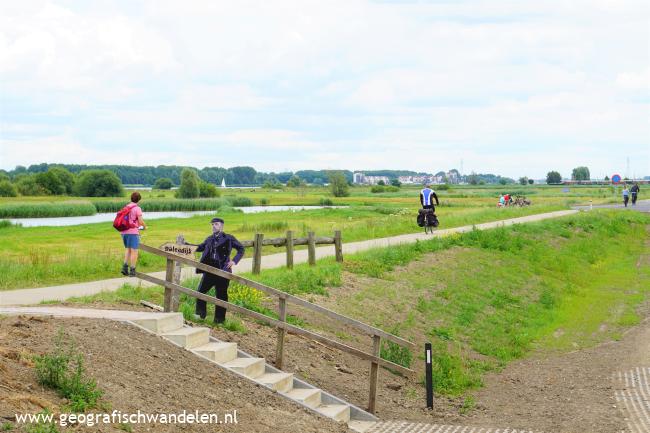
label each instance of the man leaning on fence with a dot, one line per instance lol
(215, 251)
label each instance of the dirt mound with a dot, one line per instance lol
(139, 371)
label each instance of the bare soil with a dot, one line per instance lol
(139, 371)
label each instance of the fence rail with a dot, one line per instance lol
(173, 288)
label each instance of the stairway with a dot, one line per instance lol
(170, 326)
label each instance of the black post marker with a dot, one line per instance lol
(429, 375)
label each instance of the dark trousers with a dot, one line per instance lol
(429, 206)
(625, 200)
(633, 198)
(221, 288)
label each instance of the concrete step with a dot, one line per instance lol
(308, 396)
(361, 426)
(281, 382)
(189, 338)
(338, 412)
(220, 352)
(251, 367)
(162, 323)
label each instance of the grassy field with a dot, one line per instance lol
(483, 298)
(43, 256)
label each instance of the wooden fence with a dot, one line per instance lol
(173, 289)
(289, 242)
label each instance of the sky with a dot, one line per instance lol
(516, 88)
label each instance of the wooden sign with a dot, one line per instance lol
(180, 249)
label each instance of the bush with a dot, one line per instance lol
(443, 187)
(26, 185)
(63, 371)
(190, 184)
(7, 189)
(339, 184)
(165, 205)
(375, 189)
(208, 190)
(240, 201)
(98, 183)
(264, 202)
(66, 179)
(163, 183)
(324, 201)
(392, 188)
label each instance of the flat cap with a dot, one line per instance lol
(216, 220)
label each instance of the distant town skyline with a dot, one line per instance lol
(508, 87)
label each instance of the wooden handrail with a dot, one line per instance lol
(277, 323)
(370, 330)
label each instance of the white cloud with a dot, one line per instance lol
(309, 83)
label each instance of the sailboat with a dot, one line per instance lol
(223, 182)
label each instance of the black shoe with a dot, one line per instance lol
(132, 272)
(125, 269)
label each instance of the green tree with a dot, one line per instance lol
(66, 177)
(580, 173)
(50, 182)
(381, 183)
(163, 183)
(553, 177)
(396, 182)
(98, 183)
(26, 185)
(503, 181)
(338, 184)
(7, 189)
(523, 180)
(606, 178)
(531, 181)
(208, 190)
(295, 182)
(189, 184)
(473, 179)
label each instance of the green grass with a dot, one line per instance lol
(482, 298)
(46, 209)
(496, 295)
(94, 251)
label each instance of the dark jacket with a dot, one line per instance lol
(216, 250)
(635, 189)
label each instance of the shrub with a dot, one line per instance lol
(26, 185)
(208, 190)
(190, 184)
(98, 183)
(375, 189)
(339, 184)
(324, 201)
(443, 187)
(264, 202)
(63, 371)
(163, 183)
(7, 189)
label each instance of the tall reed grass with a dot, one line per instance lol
(46, 209)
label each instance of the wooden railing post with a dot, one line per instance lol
(289, 249)
(374, 374)
(279, 351)
(338, 246)
(176, 278)
(311, 248)
(257, 253)
(169, 276)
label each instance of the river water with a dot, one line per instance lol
(105, 217)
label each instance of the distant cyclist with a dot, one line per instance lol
(426, 198)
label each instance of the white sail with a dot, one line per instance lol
(223, 182)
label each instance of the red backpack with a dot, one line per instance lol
(121, 221)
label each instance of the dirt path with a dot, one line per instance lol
(63, 292)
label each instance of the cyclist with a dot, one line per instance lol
(426, 196)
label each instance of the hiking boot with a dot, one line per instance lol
(132, 272)
(125, 269)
